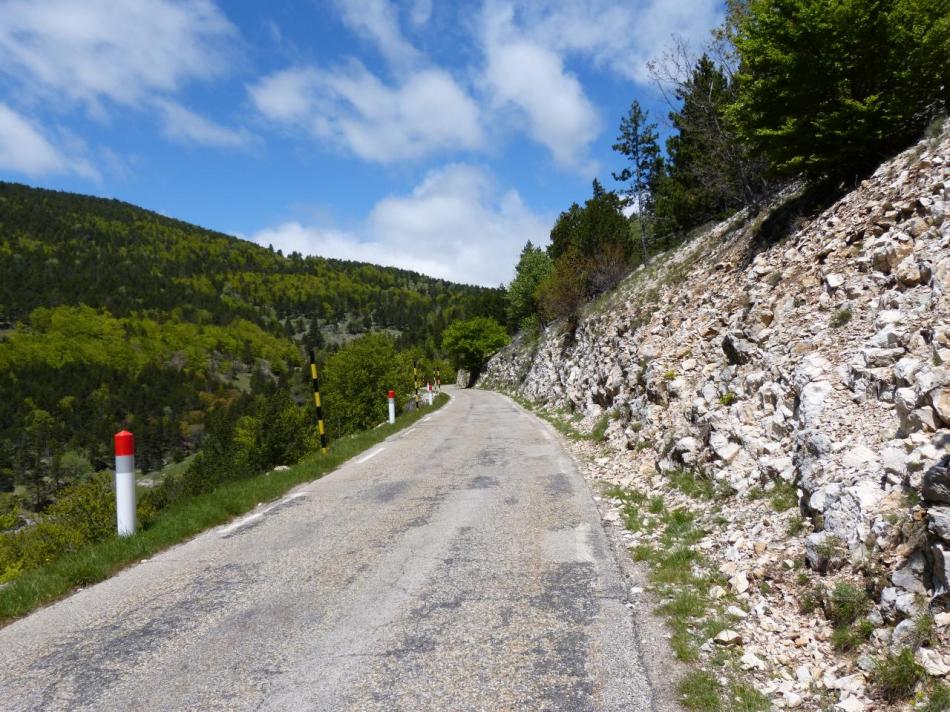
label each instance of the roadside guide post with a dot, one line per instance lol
(315, 378)
(392, 407)
(125, 483)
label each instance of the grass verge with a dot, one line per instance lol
(182, 521)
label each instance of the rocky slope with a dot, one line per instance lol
(820, 364)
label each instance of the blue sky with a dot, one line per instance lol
(430, 135)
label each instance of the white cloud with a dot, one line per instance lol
(531, 77)
(24, 149)
(378, 21)
(420, 12)
(100, 54)
(183, 125)
(456, 224)
(621, 37)
(122, 51)
(558, 113)
(349, 106)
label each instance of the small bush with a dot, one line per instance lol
(841, 317)
(846, 604)
(795, 526)
(847, 638)
(810, 601)
(895, 676)
(727, 398)
(774, 278)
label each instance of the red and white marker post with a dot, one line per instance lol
(392, 407)
(125, 483)
(429, 391)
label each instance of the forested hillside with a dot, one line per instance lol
(111, 316)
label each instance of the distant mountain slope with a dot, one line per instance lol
(66, 249)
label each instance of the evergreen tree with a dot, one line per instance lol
(829, 88)
(638, 142)
(533, 267)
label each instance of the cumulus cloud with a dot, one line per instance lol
(102, 54)
(620, 37)
(24, 149)
(456, 224)
(351, 107)
(122, 51)
(530, 77)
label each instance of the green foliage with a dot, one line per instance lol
(709, 173)
(784, 496)
(845, 638)
(832, 87)
(895, 676)
(356, 379)
(470, 343)
(534, 266)
(84, 513)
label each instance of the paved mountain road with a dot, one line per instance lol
(474, 577)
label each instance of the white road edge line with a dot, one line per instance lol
(425, 419)
(241, 522)
(370, 456)
(257, 515)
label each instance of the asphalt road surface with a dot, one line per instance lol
(460, 565)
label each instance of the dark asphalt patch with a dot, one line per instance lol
(389, 491)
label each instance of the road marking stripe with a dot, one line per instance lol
(242, 522)
(425, 419)
(370, 456)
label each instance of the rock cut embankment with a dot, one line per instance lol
(820, 361)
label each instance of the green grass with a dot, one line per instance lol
(700, 691)
(184, 520)
(600, 427)
(938, 699)
(692, 483)
(784, 496)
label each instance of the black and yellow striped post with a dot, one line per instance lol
(415, 380)
(321, 427)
